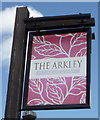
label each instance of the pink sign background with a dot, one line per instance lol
(61, 90)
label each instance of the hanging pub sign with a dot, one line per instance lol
(54, 63)
(58, 70)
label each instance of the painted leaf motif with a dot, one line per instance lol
(80, 80)
(78, 89)
(78, 39)
(83, 98)
(82, 52)
(40, 40)
(36, 40)
(48, 50)
(35, 102)
(36, 86)
(54, 93)
(57, 81)
(66, 35)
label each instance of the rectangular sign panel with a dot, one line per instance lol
(57, 74)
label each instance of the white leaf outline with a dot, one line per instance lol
(76, 94)
(37, 40)
(60, 80)
(42, 102)
(40, 93)
(38, 100)
(82, 35)
(54, 93)
(59, 35)
(80, 81)
(60, 41)
(54, 50)
(62, 51)
(63, 81)
(81, 52)
(82, 99)
(73, 45)
(36, 86)
(76, 87)
(82, 77)
(71, 87)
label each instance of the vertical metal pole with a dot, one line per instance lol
(15, 83)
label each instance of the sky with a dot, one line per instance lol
(39, 9)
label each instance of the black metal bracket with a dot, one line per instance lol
(93, 36)
(59, 22)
